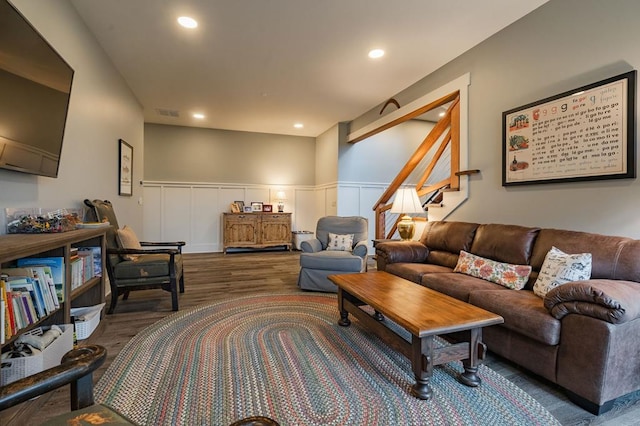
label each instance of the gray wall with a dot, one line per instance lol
(102, 110)
(184, 154)
(562, 45)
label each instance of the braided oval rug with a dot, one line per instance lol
(284, 356)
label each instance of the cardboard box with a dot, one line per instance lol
(16, 368)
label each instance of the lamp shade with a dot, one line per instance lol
(280, 195)
(407, 201)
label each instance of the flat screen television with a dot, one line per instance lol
(35, 86)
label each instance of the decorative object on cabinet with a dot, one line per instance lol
(267, 208)
(247, 209)
(281, 197)
(406, 202)
(125, 171)
(240, 205)
(235, 208)
(156, 265)
(256, 230)
(256, 206)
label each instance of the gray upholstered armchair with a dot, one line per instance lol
(333, 251)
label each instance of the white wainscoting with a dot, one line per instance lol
(192, 212)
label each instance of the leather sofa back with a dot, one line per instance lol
(505, 243)
(446, 239)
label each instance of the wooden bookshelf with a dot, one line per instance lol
(92, 292)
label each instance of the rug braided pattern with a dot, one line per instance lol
(284, 356)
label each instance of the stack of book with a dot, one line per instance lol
(29, 294)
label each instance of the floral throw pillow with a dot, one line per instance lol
(511, 276)
(559, 268)
(340, 242)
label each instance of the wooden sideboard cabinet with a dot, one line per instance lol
(256, 230)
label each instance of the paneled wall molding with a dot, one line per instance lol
(192, 211)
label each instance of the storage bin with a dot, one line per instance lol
(300, 236)
(90, 319)
(16, 368)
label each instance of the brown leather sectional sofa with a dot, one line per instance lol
(583, 335)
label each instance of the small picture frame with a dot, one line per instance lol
(247, 209)
(240, 205)
(256, 206)
(267, 208)
(235, 208)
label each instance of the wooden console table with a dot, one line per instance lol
(256, 230)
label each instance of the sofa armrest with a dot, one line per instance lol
(400, 252)
(312, 245)
(614, 301)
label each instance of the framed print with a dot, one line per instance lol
(125, 172)
(256, 206)
(267, 208)
(247, 209)
(584, 134)
(235, 208)
(240, 205)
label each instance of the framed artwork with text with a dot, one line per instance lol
(584, 134)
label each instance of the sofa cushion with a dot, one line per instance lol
(523, 312)
(459, 286)
(505, 243)
(332, 261)
(340, 242)
(559, 268)
(446, 239)
(415, 271)
(511, 276)
(605, 250)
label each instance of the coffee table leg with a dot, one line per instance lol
(422, 365)
(470, 376)
(378, 316)
(344, 315)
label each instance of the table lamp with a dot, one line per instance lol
(280, 196)
(406, 201)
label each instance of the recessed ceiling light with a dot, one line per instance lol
(187, 22)
(298, 125)
(376, 53)
(198, 115)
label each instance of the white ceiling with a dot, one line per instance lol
(262, 65)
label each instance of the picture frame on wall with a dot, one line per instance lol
(125, 170)
(587, 133)
(256, 206)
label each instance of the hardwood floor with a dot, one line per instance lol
(213, 277)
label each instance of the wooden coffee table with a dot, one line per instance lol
(424, 313)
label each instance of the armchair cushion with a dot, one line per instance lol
(147, 266)
(128, 240)
(331, 261)
(340, 242)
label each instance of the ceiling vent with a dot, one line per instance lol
(168, 112)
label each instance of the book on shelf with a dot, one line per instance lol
(56, 269)
(96, 254)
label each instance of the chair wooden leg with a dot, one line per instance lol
(126, 295)
(181, 283)
(174, 295)
(114, 302)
